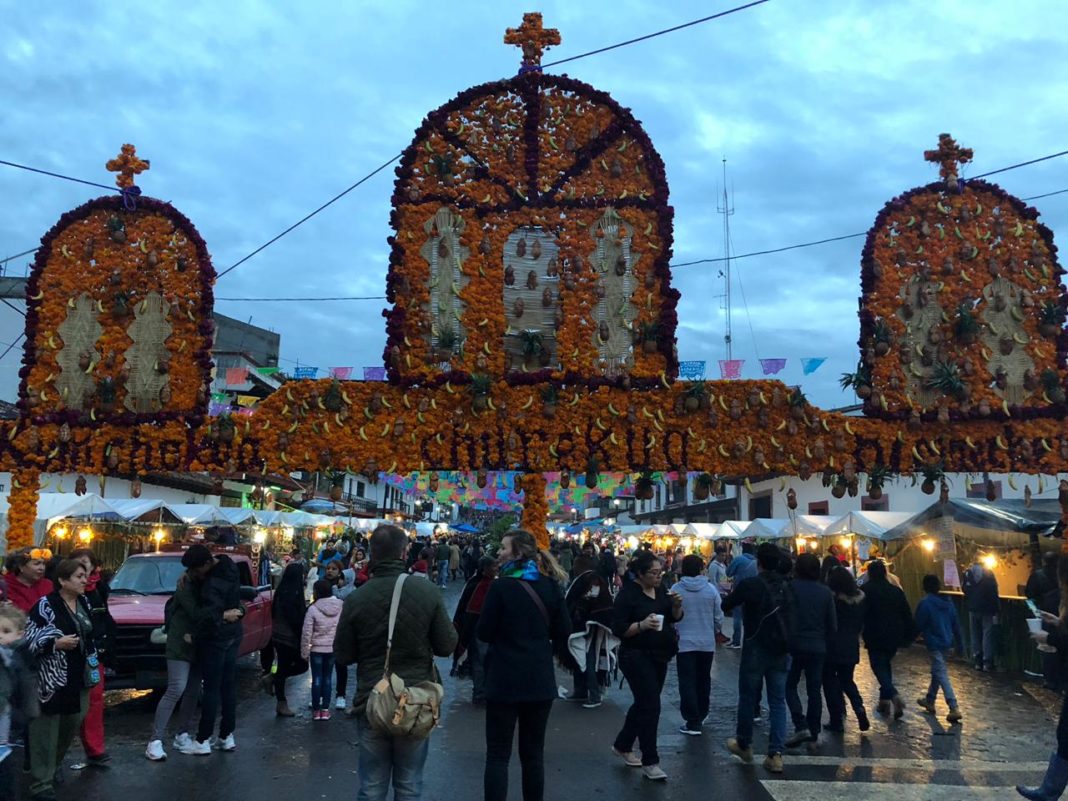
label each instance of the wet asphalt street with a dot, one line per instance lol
(1006, 737)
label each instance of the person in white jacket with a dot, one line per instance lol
(702, 615)
(317, 646)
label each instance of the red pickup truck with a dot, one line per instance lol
(139, 592)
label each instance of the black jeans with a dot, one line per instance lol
(695, 686)
(811, 665)
(267, 658)
(289, 664)
(882, 666)
(838, 686)
(341, 680)
(1062, 730)
(218, 667)
(501, 720)
(645, 676)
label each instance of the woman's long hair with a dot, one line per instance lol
(289, 597)
(550, 568)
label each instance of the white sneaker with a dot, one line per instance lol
(182, 741)
(654, 773)
(339, 703)
(155, 751)
(197, 748)
(226, 744)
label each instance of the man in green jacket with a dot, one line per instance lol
(423, 630)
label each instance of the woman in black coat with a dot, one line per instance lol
(59, 632)
(843, 652)
(644, 617)
(287, 613)
(523, 621)
(888, 625)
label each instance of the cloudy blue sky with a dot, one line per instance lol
(254, 113)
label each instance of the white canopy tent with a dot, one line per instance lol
(55, 506)
(267, 517)
(238, 516)
(873, 525)
(731, 529)
(702, 531)
(808, 526)
(198, 514)
(768, 528)
(632, 531)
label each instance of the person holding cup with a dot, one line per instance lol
(1054, 633)
(644, 618)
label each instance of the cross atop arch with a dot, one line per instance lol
(127, 165)
(948, 156)
(533, 39)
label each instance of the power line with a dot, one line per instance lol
(653, 35)
(308, 216)
(273, 300)
(20, 255)
(13, 307)
(1021, 164)
(1048, 194)
(766, 252)
(60, 176)
(18, 339)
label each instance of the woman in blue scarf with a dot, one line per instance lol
(524, 619)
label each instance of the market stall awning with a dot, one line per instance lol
(732, 529)
(144, 510)
(703, 531)
(808, 526)
(633, 531)
(873, 525)
(267, 517)
(237, 515)
(199, 514)
(465, 528)
(767, 528)
(1043, 517)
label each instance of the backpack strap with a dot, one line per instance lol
(393, 607)
(537, 601)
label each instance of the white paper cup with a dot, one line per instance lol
(1034, 624)
(658, 624)
(594, 591)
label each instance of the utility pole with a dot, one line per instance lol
(727, 210)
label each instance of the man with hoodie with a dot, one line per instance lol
(742, 567)
(217, 638)
(936, 620)
(980, 587)
(815, 622)
(423, 631)
(765, 655)
(888, 626)
(697, 643)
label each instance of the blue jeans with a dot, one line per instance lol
(382, 756)
(322, 672)
(940, 678)
(811, 665)
(443, 573)
(881, 665)
(761, 667)
(982, 640)
(736, 634)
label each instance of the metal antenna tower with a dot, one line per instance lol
(727, 210)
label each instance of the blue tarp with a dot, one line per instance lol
(465, 528)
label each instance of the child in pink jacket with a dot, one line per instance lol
(317, 646)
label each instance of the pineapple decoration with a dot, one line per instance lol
(963, 307)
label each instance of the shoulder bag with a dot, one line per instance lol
(398, 709)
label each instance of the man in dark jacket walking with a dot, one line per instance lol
(218, 637)
(888, 625)
(814, 623)
(765, 656)
(423, 630)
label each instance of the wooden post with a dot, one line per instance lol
(535, 507)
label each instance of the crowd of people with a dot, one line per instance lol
(522, 613)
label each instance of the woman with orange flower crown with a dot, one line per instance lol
(26, 584)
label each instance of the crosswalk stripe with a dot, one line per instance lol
(916, 764)
(850, 791)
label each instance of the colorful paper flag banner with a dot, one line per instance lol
(220, 397)
(306, 372)
(693, 371)
(266, 370)
(772, 366)
(236, 376)
(731, 368)
(374, 373)
(341, 373)
(811, 365)
(215, 409)
(247, 400)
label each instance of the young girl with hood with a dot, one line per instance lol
(342, 590)
(317, 646)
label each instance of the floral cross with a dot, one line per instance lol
(127, 165)
(948, 155)
(533, 39)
